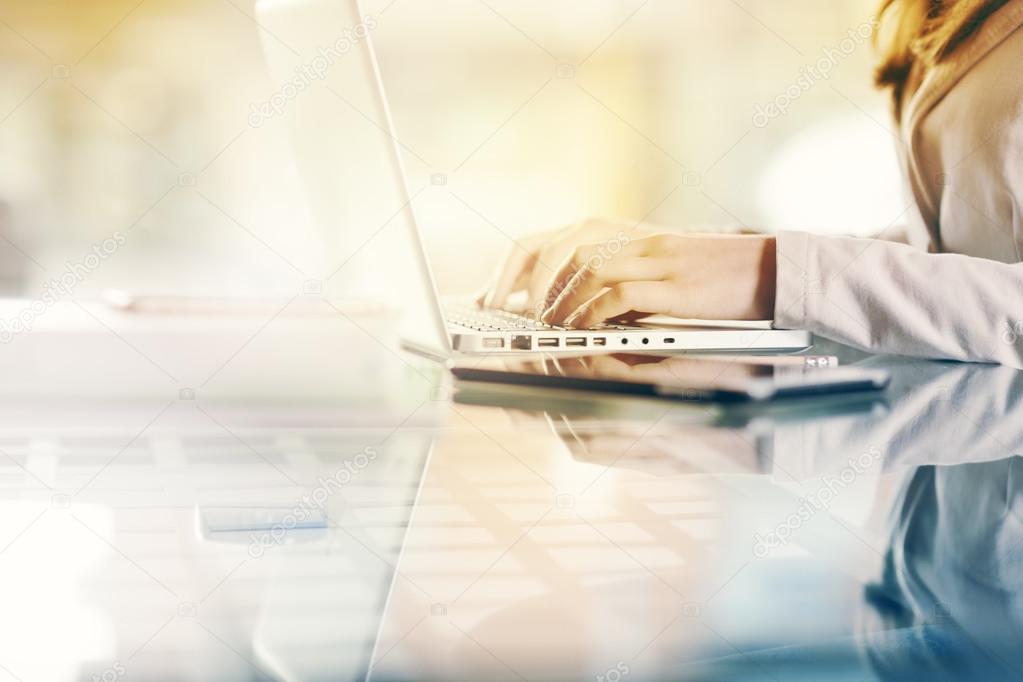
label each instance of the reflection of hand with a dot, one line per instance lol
(663, 448)
(532, 261)
(689, 276)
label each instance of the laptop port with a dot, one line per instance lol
(522, 342)
(669, 339)
(493, 343)
(599, 341)
(548, 342)
(575, 341)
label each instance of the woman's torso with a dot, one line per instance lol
(962, 140)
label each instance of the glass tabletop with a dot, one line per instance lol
(463, 533)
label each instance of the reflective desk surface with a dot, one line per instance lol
(291, 498)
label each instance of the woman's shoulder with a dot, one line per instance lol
(965, 137)
(986, 70)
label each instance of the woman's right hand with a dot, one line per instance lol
(533, 261)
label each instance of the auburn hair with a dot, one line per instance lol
(916, 35)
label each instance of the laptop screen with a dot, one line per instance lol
(331, 107)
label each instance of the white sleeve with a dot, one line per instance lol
(891, 298)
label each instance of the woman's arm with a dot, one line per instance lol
(876, 295)
(892, 298)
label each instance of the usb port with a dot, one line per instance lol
(669, 339)
(493, 343)
(548, 342)
(599, 341)
(575, 341)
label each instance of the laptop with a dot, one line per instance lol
(451, 327)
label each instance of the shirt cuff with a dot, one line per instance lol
(793, 277)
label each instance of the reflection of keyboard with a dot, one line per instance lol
(491, 320)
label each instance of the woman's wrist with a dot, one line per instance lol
(767, 277)
(743, 277)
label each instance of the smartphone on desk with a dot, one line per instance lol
(675, 377)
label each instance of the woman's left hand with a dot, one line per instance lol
(712, 277)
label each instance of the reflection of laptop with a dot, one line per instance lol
(466, 329)
(334, 548)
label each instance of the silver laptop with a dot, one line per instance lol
(443, 329)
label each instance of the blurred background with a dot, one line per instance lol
(152, 120)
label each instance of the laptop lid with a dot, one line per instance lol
(349, 155)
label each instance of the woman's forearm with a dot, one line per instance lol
(891, 298)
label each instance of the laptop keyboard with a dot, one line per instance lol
(492, 320)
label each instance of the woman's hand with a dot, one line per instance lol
(532, 261)
(711, 277)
